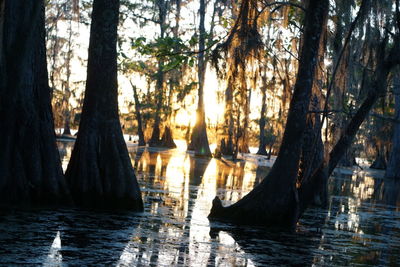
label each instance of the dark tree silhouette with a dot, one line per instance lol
(30, 167)
(100, 172)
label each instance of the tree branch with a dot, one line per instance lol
(282, 3)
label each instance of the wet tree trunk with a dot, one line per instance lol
(275, 200)
(100, 173)
(30, 167)
(138, 114)
(313, 150)
(199, 140)
(311, 158)
(393, 168)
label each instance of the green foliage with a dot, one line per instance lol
(173, 51)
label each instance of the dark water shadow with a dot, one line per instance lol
(77, 237)
(269, 247)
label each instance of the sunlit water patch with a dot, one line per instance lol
(360, 227)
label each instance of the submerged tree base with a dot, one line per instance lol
(261, 207)
(100, 174)
(167, 141)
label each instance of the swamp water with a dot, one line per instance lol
(360, 228)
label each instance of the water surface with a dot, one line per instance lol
(360, 228)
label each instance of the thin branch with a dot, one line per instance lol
(145, 19)
(291, 53)
(266, 5)
(346, 42)
(282, 3)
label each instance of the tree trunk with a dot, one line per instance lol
(262, 139)
(155, 136)
(142, 142)
(243, 145)
(199, 141)
(340, 80)
(313, 150)
(167, 140)
(346, 138)
(275, 200)
(67, 88)
(30, 167)
(100, 172)
(393, 168)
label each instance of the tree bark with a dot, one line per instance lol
(275, 200)
(199, 140)
(100, 173)
(313, 150)
(30, 167)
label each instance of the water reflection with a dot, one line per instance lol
(358, 228)
(54, 257)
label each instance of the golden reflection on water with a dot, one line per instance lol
(179, 190)
(358, 187)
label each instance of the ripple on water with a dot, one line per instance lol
(357, 229)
